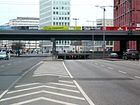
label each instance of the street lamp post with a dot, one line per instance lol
(92, 37)
(130, 17)
(104, 44)
(75, 19)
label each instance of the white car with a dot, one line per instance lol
(113, 55)
(4, 55)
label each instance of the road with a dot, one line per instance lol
(108, 82)
(12, 69)
(71, 82)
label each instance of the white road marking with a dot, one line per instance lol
(64, 85)
(137, 77)
(50, 75)
(43, 98)
(43, 86)
(2, 66)
(70, 82)
(9, 64)
(24, 85)
(110, 68)
(78, 86)
(42, 91)
(96, 63)
(122, 72)
(18, 80)
(103, 65)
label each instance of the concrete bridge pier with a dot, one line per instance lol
(54, 54)
(138, 45)
(123, 46)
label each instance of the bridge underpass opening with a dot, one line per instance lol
(72, 49)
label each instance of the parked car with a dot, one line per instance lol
(4, 55)
(113, 55)
(131, 54)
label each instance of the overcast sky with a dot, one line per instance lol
(82, 9)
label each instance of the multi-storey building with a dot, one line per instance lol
(108, 22)
(21, 23)
(24, 23)
(55, 13)
(127, 13)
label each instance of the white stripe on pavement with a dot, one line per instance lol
(18, 80)
(50, 75)
(44, 98)
(42, 91)
(78, 86)
(122, 72)
(64, 85)
(24, 85)
(110, 68)
(43, 86)
(137, 77)
(70, 82)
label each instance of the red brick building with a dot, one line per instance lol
(127, 13)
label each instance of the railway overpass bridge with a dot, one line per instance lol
(121, 36)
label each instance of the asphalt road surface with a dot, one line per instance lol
(108, 82)
(71, 82)
(12, 69)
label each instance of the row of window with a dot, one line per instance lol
(61, 18)
(61, 13)
(61, 23)
(63, 42)
(62, 2)
(62, 8)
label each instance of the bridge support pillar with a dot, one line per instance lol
(123, 46)
(138, 45)
(54, 48)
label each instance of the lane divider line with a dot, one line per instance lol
(110, 68)
(78, 86)
(137, 77)
(122, 72)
